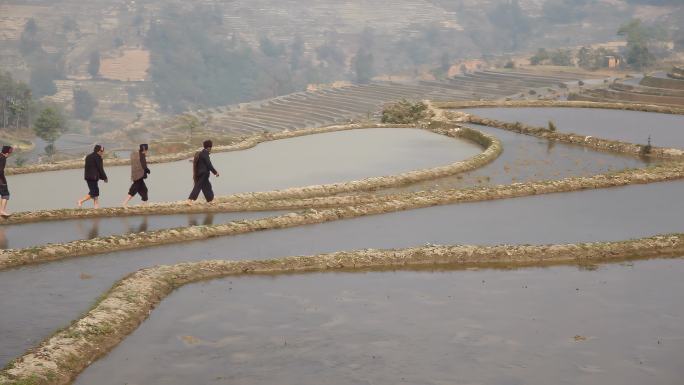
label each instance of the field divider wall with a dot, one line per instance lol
(61, 357)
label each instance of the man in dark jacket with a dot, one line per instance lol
(93, 173)
(201, 167)
(4, 191)
(139, 172)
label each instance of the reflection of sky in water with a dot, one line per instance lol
(307, 160)
(526, 158)
(608, 326)
(57, 294)
(666, 130)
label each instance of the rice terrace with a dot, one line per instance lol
(485, 192)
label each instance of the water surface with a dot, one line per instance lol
(666, 130)
(557, 325)
(40, 233)
(307, 160)
(526, 158)
(36, 300)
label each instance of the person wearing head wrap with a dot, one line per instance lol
(201, 167)
(93, 173)
(4, 191)
(139, 172)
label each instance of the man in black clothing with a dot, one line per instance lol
(4, 191)
(201, 167)
(94, 172)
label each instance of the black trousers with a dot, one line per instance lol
(202, 183)
(93, 188)
(4, 191)
(139, 187)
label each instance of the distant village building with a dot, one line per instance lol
(677, 73)
(612, 62)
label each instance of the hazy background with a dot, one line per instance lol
(115, 69)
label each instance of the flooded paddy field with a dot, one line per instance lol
(315, 159)
(666, 130)
(526, 158)
(58, 292)
(620, 324)
(40, 233)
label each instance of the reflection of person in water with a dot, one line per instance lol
(3, 239)
(209, 219)
(95, 230)
(89, 232)
(192, 220)
(139, 172)
(143, 225)
(4, 191)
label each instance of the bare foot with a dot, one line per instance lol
(79, 204)
(124, 204)
(4, 214)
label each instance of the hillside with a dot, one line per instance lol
(153, 59)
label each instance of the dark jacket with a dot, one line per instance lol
(3, 162)
(94, 169)
(202, 164)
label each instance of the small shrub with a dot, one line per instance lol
(532, 92)
(562, 86)
(645, 150)
(20, 160)
(405, 112)
(552, 126)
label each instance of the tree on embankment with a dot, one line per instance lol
(15, 102)
(638, 37)
(49, 126)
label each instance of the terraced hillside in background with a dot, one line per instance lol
(655, 88)
(338, 105)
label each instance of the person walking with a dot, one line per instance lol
(201, 167)
(94, 172)
(139, 172)
(4, 191)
